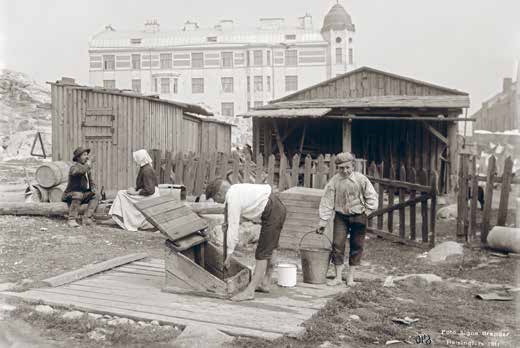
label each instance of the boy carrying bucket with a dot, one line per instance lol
(350, 197)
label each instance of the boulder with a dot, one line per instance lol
(201, 337)
(445, 252)
(44, 309)
(448, 212)
(73, 315)
(420, 279)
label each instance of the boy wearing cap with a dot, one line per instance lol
(80, 188)
(253, 202)
(350, 197)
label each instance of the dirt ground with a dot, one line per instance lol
(448, 312)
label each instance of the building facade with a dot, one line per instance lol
(227, 68)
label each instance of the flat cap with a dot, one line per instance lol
(344, 157)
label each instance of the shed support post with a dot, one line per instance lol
(347, 136)
(453, 154)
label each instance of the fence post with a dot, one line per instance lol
(259, 168)
(247, 168)
(168, 167)
(320, 171)
(402, 216)
(474, 196)
(391, 195)
(179, 169)
(332, 166)
(283, 170)
(270, 170)
(213, 166)
(413, 234)
(504, 193)
(433, 207)
(236, 168)
(381, 193)
(295, 173)
(489, 199)
(308, 171)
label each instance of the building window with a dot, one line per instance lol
(268, 57)
(155, 85)
(290, 37)
(166, 60)
(248, 84)
(248, 106)
(135, 41)
(339, 56)
(227, 59)
(259, 83)
(258, 104)
(211, 39)
(291, 57)
(228, 109)
(109, 84)
(291, 83)
(109, 62)
(175, 86)
(136, 86)
(268, 83)
(136, 61)
(350, 56)
(165, 85)
(197, 85)
(248, 63)
(197, 60)
(227, 84)
(258, 57)
(338, 40)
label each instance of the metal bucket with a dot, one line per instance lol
(315, 262)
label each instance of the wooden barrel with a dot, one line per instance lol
(38, 194)
(56, 192)
(53, 173)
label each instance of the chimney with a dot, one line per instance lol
(271, 23)
(305, 21)
(190, 26)
(226, 24)
(151, 26)
(507, 85)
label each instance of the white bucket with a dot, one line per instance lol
(286, 274)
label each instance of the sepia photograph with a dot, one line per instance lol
(254, 174)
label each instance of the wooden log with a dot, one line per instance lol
(507, 174)
(486, 215)
(91, 269)
(56, 193)
(53, 173)
(43, 209)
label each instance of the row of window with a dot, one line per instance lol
(339, 56)
(197, 60)
(166, 85)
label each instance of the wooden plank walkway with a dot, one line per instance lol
(134, 291)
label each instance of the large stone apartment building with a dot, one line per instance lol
(227, 67)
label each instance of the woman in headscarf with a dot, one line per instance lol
(123, 210)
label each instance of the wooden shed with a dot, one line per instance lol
(379, 116)
(114, 123)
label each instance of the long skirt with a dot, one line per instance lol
(126, 215)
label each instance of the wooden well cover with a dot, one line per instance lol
(171, 216)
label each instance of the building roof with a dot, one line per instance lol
(337, 19)
(188, 108)
(111, 38)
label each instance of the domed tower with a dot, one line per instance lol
(338, 30)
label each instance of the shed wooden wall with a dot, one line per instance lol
(115, 125)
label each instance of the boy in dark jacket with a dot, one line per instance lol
(80, 188)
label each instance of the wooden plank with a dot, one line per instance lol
(270, 170)
(507, 174)
(179, 169)
(320, 170)
(464, 160)
(486, 215)
(295, 170)
(424, 220)
(474, 197)
(433, 208)
(299, 197)
(381, 193)
(282, 184)
(91, 269)
(299, 203)
(259, 172)
(307, 171)
(402, 217)
(390, 218)
(396, 238)
(398, 184)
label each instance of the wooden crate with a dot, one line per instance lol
(190, 271)
(302, 206)
(171, 217)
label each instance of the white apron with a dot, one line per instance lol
(126, 215)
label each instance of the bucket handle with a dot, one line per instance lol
(314, 231)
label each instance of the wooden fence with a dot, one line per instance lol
(469, 180)
(409, 195)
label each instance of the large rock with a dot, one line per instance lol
(448, 212)
(424, 279)
(446, 251)
(201, 337)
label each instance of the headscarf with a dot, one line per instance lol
(142, 158)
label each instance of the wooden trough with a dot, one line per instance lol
(192, 264)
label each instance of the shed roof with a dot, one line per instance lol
(190, 108)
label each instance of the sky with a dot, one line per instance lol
(469, 45)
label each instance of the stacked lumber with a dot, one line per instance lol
(302, 206)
